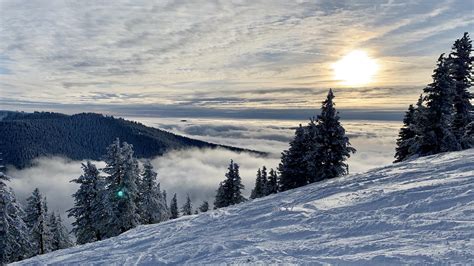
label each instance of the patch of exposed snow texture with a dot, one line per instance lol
(419, 211)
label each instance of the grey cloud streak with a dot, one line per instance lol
(199, 52)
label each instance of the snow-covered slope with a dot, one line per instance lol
(420, 211)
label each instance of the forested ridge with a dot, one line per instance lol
(26, 136)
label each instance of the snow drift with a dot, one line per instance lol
(420, 211)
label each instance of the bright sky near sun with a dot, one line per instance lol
(222, 54)
(355, 69)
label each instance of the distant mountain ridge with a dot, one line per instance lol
(26, 136)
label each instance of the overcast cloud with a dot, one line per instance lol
(219, 54)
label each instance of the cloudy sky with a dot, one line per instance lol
(180, 57)
(214, 61)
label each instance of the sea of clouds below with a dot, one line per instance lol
(197, 172)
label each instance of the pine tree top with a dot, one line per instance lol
(328, 110)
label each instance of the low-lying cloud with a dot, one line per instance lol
(197, 172)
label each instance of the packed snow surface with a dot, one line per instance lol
(420, 211)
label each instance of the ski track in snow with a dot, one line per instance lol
(420, 211)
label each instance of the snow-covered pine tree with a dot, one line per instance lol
(461, 62)
(187, 208)
(3, 175)
(64, 238)
(151, 203)
(14, 235)
(164, 211)
(221, 199)
(36, 218)
(165, 198)
(225, 190)
(438, 135)
(272, 184)
(420, 122)
(165, 201)
(53, 227)
(204, 206)
(174, 213)
(121, 188)
(230, 190)
(59, 236)
(259, 188)
(264, 181)
(293, 168)
(333, 144)
(312, 155)
(89, 208)
(468, 137)
(406, 136)
(237, 186)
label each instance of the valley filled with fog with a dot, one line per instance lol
(199, 171)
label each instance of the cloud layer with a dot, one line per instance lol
(198, 172)
(239, 53)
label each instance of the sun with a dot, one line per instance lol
(355, 69)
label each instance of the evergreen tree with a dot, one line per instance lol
(230, 190)
(259, 188)
(53, 227)
(264, 184)
(468, 137)
(293, 166)
(165, 201)
(3, 175)
(272, 184)
(14, 236)
(59, 235)
(151, 203)
(237, 186)
(264, 181)
(37, 221)
(333, 147)
(187, 208)
(221, 199)
(442, 119)
(437, 135)
(174, 208)
(312, 156)
(121, 188)
(89, 208)
(420, 122)
(406, 136)
(204, 206)
(165, 196)
(461, 70)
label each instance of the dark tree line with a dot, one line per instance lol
(26, 136)
(265, 184)
(442, 119)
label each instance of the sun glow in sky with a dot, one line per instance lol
(166, 56)
(355, 69)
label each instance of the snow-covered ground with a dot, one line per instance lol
(420, 211)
